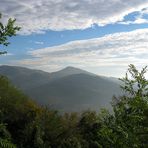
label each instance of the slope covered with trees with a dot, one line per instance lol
(28, 125)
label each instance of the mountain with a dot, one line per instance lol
(24, 78)
(68, 71)
(70, 89)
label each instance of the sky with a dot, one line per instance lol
(100, 36)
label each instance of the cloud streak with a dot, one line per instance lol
(39, 43)
(114, 50)
(139, 19)
(40, 15)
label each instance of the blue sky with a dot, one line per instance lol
(103, 38)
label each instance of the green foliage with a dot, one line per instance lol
(17, 111)
(5, 137)
(28, 125)
(6, 144)
(7, 31)
(131, 110)
(137, 85)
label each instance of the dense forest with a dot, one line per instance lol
(25, 124)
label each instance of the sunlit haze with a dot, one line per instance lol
(102, 37)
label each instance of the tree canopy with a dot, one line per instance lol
(28, 125)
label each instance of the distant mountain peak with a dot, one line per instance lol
(70, 89)
(72, 68)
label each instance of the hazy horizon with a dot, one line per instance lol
(97, 36)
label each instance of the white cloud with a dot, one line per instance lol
(40, 43)
(40, 15)
(8, 54)
(139, 19)
(115, 50)
(144, 11)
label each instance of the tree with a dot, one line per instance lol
(5, 137)
(7, 31)
(127, 126)
(17, 112)
(131, 110)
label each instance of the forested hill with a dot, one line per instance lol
(25, 124)
(70, 89)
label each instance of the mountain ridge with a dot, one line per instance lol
(70, 89)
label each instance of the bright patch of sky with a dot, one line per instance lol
(98, 36)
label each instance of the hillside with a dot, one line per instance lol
(70, 89)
